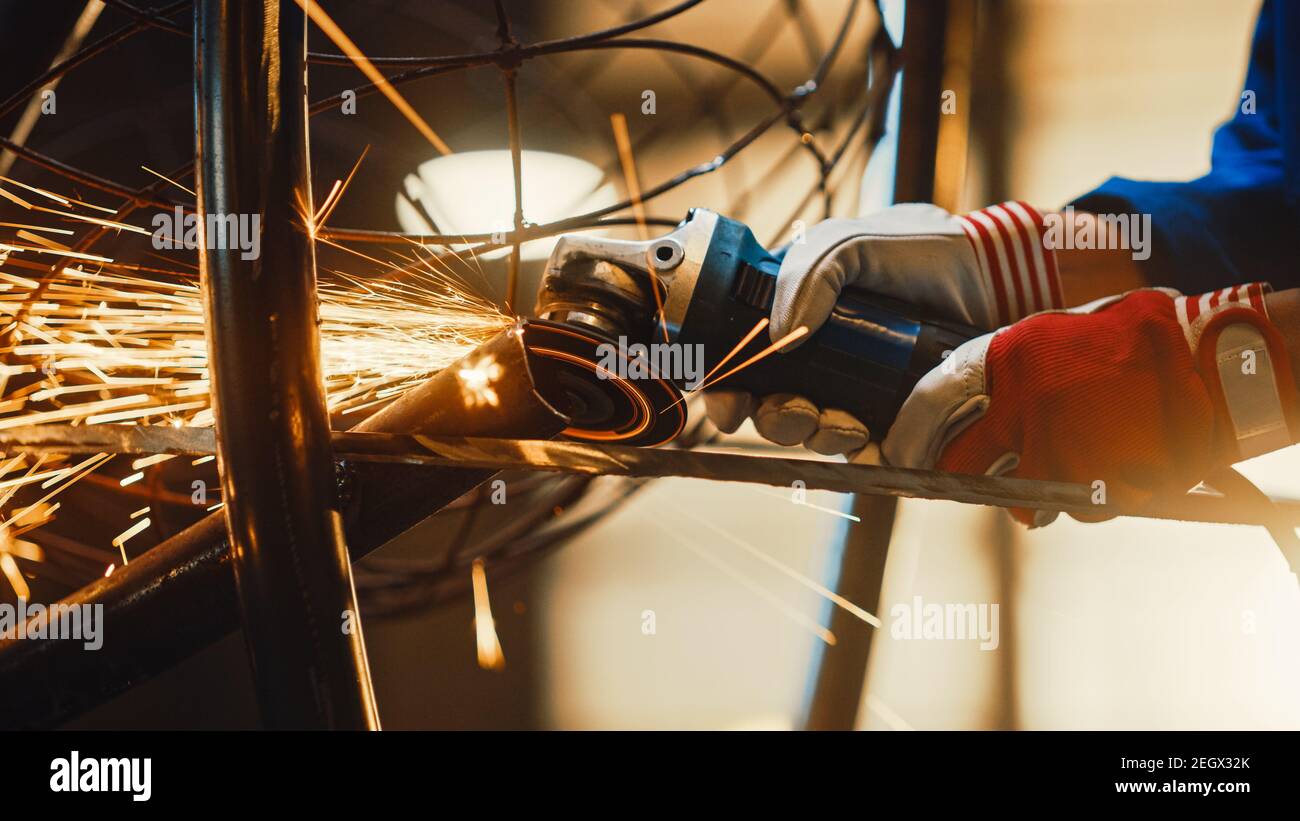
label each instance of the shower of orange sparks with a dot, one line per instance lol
(797, 333)
(832, 511)
(129, 343)
(624, 141)
(125, 536)
(757, 589)
(783, 568)
(47, 194)
(159, 315)
(15, 576)
(165, 178)
(326, 24)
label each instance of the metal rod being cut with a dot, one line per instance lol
(620, 460)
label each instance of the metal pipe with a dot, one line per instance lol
(179, 596)
(840, 672)
(292, 573)
(523, 403)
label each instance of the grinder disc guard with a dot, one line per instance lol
(603, 406)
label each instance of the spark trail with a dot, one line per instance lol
(108, 344)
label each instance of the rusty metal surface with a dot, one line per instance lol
(109, 438)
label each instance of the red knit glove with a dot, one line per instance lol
(1147, 392)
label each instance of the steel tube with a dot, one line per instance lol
(290, 559)
(840, 672)
(397, 497)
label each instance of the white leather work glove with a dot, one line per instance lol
(987, 269)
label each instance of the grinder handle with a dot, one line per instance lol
(865, 359)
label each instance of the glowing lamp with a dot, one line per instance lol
(474, 193)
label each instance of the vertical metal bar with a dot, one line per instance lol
(509, 75)
(516, 160)
(1002, 544)
(841, 670)
(924, 38)
(291, 564)
(953, 133)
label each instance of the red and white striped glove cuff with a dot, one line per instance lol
(1019, 270)
(1195, 311)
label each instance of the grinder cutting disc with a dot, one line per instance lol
(604, 406)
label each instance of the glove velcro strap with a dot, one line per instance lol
(1020, 270)
(1244, 362)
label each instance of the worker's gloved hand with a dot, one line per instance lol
(986, 269)
(1146, 393)
(788, 419)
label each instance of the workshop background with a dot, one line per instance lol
(1125, 624)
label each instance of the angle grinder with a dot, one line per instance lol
(706, 285)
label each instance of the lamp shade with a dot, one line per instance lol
(473, 193)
